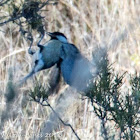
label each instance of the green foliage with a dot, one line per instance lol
(26, 14)
(110, 103)
(39, 92)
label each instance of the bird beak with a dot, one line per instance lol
(50, 34)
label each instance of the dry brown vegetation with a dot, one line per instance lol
(87, 24)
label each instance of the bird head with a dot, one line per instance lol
(58, 36)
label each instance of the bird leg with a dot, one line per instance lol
(26, 77)
(29, 50)
(38, 44)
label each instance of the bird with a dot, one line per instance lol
(74, 67)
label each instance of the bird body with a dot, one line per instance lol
(75, 68)
(51, 53)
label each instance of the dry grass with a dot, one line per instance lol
(88, 24)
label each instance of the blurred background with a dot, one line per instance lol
(88, 24)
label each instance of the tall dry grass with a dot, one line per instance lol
(87, 24)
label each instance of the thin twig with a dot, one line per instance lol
(2, 3)
(9, 20)
(44, 4)
(66, 124)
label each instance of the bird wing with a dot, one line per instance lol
(75, 67)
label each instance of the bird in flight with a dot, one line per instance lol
(74, 67)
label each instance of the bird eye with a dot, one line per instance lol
(36, 61)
